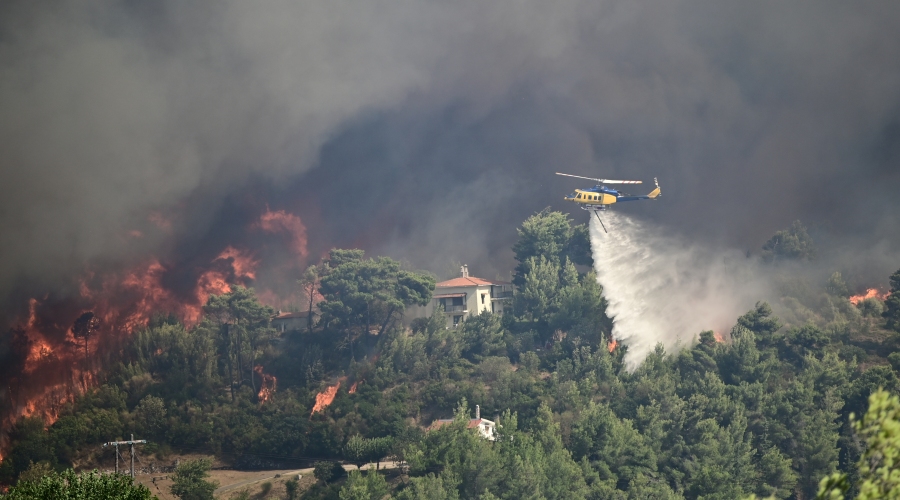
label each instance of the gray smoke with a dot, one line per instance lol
(442, 122)
(664, 289)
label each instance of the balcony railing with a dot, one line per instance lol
(455, 309)
(502, 295)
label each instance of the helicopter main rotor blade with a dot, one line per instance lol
(601, 181)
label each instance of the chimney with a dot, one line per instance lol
(477, 412)
(464, 271)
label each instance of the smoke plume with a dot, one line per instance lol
(664, 289)
(200, 145)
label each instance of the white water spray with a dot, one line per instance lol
(663, 289)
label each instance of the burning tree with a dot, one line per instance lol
(85, 327)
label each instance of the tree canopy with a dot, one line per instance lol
(764, 409)
(81, 486)
(793, 243)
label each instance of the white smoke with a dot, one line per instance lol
(664, 289)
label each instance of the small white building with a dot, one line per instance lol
(468, 295)
(487, 429)
(287, 321)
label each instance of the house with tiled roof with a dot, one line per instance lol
(467, 295)
(288, 320)
(487, 429)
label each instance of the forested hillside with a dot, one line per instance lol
(763, 409)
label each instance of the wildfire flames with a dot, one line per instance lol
(353, 388)
(871, 293)
(324, 398)
(612, 345)
(719, 338)
(60, 357)
(267, 384)
(281, 221)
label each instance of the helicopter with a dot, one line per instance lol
(600, 197)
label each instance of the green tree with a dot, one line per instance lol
(370, 486)
(150, 415)
(309, 283)
(189, 480)
(325, 471)
(892, 304)
(356, 451)
(777, 479)
(429, 487)
(81, 486)
(183, 360)
(793, 243)
(550, 234)
(360, 293)
(879, 466)
(242, 325)
(291, 487)
(482, 335)
(613, 446)
(35, 472)
(817, 451)
(537, 297)
(837, 286)
(762, 323)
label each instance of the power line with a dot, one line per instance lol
(131, 443)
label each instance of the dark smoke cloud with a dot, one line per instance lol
(429, 130)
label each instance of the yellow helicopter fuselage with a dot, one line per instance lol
(590, 198)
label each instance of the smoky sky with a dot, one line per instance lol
(428, 130)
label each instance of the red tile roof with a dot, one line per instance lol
(475, 422)
(286, 315)
(470, 281)
(437, 424)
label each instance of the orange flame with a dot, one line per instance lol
(281, 221)
(267, 385)
(243, 263)
(216, 281)
(353, 388)
(612, 345)
(324, 398)
(871, 293)
(719, 338)
(58, 366)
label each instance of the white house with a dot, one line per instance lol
(467, 295)
(487, 429)
(287, 321)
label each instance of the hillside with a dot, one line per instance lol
(761, 409)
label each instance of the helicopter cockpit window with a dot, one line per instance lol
(577, 196)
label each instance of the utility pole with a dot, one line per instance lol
(131, 443)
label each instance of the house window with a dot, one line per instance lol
(482, 298)
(457, 301)
(456, 320)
